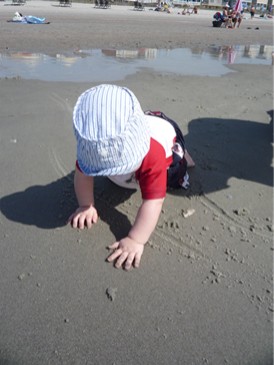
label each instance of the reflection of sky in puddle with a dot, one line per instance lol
(111, 65)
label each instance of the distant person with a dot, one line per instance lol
(187, 10)
(252, 12)
(166, 8)
(159, 6)
(236, 18)
(225, 15)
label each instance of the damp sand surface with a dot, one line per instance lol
(84, 27)
(203, 293)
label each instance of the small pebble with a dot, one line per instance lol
(111, 293)
(188, 213)
(21, 276)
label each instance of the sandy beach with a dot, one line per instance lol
(204, 292)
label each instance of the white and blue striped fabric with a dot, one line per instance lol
(111, 131)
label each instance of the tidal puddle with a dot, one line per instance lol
(111, 65)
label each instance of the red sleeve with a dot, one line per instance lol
(152, 175)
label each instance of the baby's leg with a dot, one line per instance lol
(190, 162)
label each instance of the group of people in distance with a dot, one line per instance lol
(230, 18)
(188, 10)
(164, 6)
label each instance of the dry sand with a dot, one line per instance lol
(203, 293)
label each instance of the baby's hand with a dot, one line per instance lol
(127, 253)
(83, 217)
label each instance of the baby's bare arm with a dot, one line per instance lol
(83, 186)
(86, 214)
(146, 220)
(128, 251)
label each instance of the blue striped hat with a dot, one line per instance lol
(111, 131)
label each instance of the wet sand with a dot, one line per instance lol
(204, 291)
(84, 27)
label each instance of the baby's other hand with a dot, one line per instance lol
(127, 253)
(83, 217)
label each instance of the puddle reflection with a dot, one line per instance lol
(111, 65)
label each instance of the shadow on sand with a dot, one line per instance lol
(49, 206)
(226, 148)
(221, 148)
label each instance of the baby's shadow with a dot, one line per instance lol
(228, 148)
(49, 206)
(108, 197)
